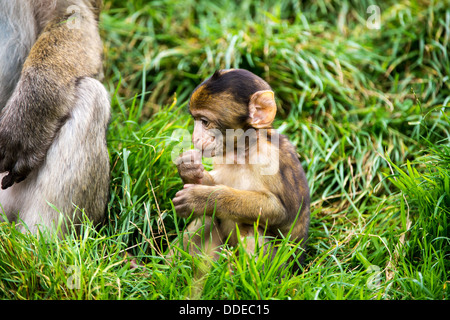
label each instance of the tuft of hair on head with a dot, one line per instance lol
(216, 74)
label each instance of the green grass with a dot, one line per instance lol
(366, 109)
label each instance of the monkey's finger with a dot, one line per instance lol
(188, 155)
(183, 210)
(197, 156)
(14, 176)
(189, 158)
(186, 162)
(179, 198)
(7, 181)
(180, 193)
(176, 200)
(199, 174)
(179, 209)
(179, 160)
(10, 179)
(193, 153)
(190, 167)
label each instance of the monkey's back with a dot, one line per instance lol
(292, 190)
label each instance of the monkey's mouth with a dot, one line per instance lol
(207, 146)
(209, 151)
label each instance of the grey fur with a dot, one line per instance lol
(59, 129)
(18, 33)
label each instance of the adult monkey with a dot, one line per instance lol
(54, 112)
(257, 177)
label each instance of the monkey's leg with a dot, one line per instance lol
(76, 168)
(249, 239)
(246, 236)
(202, 236)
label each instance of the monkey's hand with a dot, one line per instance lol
(190, 167)
(23, 145)
(28, 125)
(194, 200)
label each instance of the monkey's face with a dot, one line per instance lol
(206, 136)
(227, 102)
(214, 115)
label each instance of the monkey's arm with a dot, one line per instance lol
(46, 92)
(229, 203)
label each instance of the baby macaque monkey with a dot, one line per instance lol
(256, 176)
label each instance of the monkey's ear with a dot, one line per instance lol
(262, 109)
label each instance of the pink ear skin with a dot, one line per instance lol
(262, 109)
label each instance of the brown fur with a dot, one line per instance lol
(239, 193)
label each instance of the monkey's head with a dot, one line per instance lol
(229, 99)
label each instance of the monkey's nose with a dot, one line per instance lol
(198, 145)
(195, 141)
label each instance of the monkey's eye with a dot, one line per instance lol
(205, 122)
